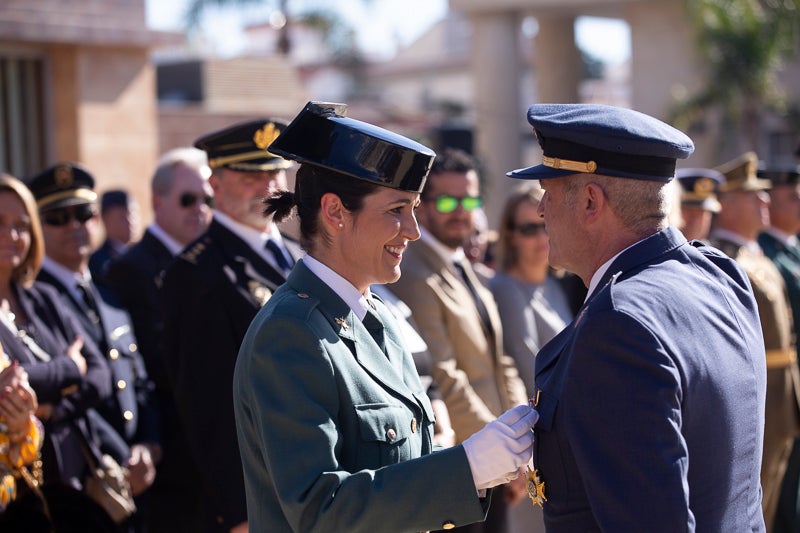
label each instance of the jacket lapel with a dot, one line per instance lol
(355, 336)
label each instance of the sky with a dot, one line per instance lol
(382, 25)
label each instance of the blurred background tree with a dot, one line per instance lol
(743, 44)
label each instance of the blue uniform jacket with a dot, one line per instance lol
(652, 399)
(335, 435)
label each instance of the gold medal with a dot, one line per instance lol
(535, 487)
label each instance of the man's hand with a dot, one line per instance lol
(141, 469)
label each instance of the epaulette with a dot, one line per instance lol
(191, 254)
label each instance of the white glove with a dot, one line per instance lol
(496, 452)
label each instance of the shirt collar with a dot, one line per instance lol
(728, 235)
(65, 276)
(786, 238)
(166, 239)
(600, 273)
(357, 302)
(449, 255)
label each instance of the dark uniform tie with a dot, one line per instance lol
(462, 271)
(375, 328)
(284, 260)
(87, 294)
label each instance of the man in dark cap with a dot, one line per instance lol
(699, 188)
(68, 209)
(652, 399)
(119, 212)
(779, 243)
(210, 294)
(744, 215)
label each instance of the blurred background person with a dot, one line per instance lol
(699, 188)
(68, 376)
(119, 213)
(182, 200)
(480, 246)
(532, 303)
(779, 242)
(457, 315)
(68, 209)
(744, 214)
(21, 433)
(211, 292)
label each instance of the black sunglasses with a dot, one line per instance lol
(189, 199)
(530, 229)
(63, 216)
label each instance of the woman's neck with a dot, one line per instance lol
(535, 274)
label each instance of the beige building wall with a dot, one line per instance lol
(99, 86)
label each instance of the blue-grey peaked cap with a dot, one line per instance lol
(602, 139)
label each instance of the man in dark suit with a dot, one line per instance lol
(68, 228)
(120, 215)
(744, 215)
(181, 200)
(651, 401)
(211, 293)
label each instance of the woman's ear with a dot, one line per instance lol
(332, 212)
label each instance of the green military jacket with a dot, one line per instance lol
(335, 434)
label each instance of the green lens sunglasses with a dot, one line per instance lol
(448, 204)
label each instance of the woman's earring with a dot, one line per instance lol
(341, 225)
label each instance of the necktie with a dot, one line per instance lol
(87, 294)
(375, 328)
(462, 271)
(283, 259)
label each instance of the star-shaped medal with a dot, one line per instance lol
(342, 323)
(535, 487)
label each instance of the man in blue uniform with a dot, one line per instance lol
(68, 208)
(652, 399)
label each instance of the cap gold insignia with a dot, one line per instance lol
(264, 137)
(535, 487)
(63, 176)
(704, 186)
(342, 324)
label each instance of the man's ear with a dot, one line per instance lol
(332, 211)
(594, 200)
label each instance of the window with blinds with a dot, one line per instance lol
(22, 110)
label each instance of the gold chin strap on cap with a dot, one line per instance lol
(566, 164)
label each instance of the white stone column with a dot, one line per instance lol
(496, 73)
(557, 67)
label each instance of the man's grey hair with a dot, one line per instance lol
(163, 176)
(641, 205)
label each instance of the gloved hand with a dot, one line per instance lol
(496, 452)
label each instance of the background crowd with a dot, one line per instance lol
(128, 350)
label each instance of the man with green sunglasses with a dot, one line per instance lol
(457, 315)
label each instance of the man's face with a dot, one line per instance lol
(744, 212)
(696, 222)
(122, 222)
(68, 234)
(784, 208)
(562, 229)
(450, 228)
(240, 195)
(184, 212)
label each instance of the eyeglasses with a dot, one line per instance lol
(63, 216)
(448, 204)
(529, 229)
(189, 199)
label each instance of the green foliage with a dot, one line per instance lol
(742, 44)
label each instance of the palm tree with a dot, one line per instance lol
(743, 44)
